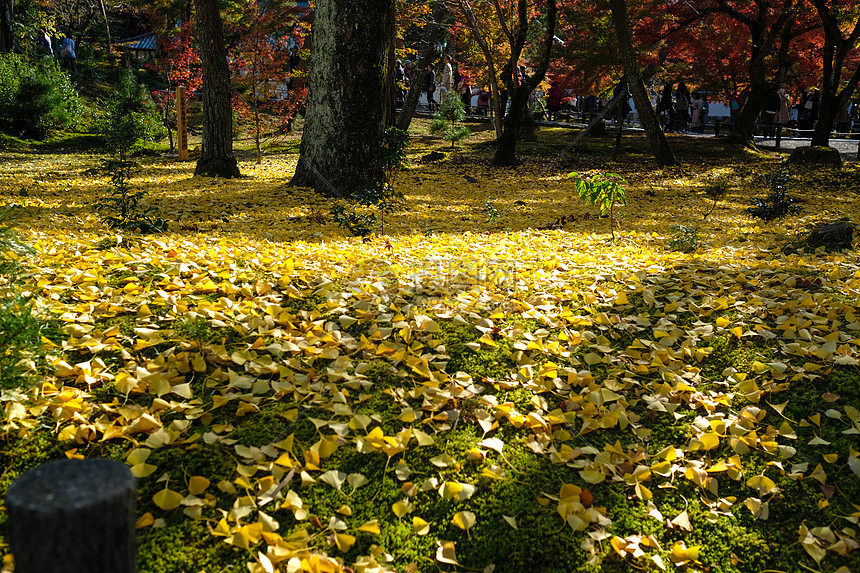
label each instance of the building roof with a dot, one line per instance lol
(147, 41)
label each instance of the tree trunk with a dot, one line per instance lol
(7, 12)
(744, 133)
(216, 158)
(350, 70)
(836, 48)
(419, 72)
(647, 116)
(507, 143)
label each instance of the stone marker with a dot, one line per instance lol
(73, 516)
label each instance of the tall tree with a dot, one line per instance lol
(350, 78)
(835, 16)
(517, 30)
(470, 20)
(771, 27)
(647, 117)
(7, 11)
(217, 156)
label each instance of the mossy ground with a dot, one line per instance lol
(731, 542)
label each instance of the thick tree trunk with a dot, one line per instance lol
(744, 133)
(7, 12)
(216, 157)
(350, 69)
(647, 116)
(507, 144)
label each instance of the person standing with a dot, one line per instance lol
(465, 91)
(804, 113)
(782, 115)
(734, 108)
(447, 83)
(408, 74)
(400, 83)
(553, 101)
(667, 110)
(430, 88)
(843, 120)
(771, 108)
(68, 55)
(682, 107)
(696, 110)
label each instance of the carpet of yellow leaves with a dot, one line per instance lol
(604, 336)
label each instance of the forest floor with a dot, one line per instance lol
(489, 382)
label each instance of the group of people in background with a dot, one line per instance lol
(63, 48)
(679, 109)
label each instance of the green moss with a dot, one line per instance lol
(184, 545)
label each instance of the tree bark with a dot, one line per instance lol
(507, 143)
(216, 158)
(350, 69)
(647, 116)
(7, 12)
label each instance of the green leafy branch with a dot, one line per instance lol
(604, 190)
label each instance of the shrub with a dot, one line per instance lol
(131, 118)
(36, 97)
(684, 239)
(778, 204)
(445, 121)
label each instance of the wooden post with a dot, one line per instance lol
(73, 516)
(181, 123)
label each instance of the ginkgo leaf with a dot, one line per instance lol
(682, 520)
(419, 526)
(402, 507)
(464, 520)
(492, 443)
(167, 499)
(512, 521)
(333, 478)
(355, 480)
(197, 485)
(142, 470)
(371, 527)
(344, 542)
(763, 484)
(446, 552)
(592, 476)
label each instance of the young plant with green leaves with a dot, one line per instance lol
(389, 154)
(604, 190)
(445, 121)
(131, 118)
(716, 192)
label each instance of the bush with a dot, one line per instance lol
(778, 204)
(36, 97)
(445, 121)
(131, 118)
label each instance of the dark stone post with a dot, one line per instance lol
(73, 516)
